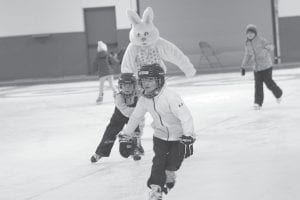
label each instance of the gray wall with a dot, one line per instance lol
(36, 57)
(55, 55)
(289, 33)
(221, 23)
(123, 38)
(185, 23)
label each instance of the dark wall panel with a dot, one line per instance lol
(289, 33)
(123, 38)
(39, 56)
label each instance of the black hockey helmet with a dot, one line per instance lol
(127, 78)
(152, 71)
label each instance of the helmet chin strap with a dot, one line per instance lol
(126, 95)
(152, 94)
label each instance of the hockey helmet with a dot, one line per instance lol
(124, 84)
(152, 71)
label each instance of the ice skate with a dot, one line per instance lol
(278, 100)
(170, 179)
(114, 94)
(139, 143)
(136, 155)
(95, 158)
(256, 107)
(138, 150)
(141, 149)
(155, 193)
(99, 99)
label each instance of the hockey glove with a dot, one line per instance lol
(243, 71)
(186, 145)
(126, 145)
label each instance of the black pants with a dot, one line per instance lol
(167, 156)
(261, 77)
(116, 124)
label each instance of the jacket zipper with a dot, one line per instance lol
(161, 122)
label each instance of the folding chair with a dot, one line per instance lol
(208, 53)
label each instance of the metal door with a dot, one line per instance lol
(100, 24)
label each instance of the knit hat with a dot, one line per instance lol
(251, 28)
(101, 46)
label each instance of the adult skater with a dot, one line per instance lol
(173, 129)
(258, 56)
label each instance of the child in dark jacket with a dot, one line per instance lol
(258, 56)
(105, 71)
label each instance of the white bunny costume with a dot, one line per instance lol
(147, 47)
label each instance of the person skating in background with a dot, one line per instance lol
(258, 56)
(125, 102)
(173, 129)
(105, 71)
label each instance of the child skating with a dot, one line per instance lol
(258, 56)
(105, 70)
(173, 129)
(125, 102)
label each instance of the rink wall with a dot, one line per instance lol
(45, 41)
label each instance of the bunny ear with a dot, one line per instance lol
(148, 15)
(133, 17)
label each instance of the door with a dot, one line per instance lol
(100, 24)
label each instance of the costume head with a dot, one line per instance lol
(152, 71)
(127, 84)
(143, 32)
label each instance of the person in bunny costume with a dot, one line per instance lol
(147, 47)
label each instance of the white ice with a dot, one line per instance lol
(48, 133)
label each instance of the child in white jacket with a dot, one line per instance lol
(173, 128)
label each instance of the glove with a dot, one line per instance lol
(126, 145)
(243, 71)
(186, 145)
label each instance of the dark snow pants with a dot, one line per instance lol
(167, 156)
(265, 76)
(116, 124)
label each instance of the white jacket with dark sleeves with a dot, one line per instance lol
(171, 117)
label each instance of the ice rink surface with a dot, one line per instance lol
(48, 133)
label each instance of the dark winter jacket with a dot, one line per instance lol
(101, 64)
(258, 54)
(114, 63)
